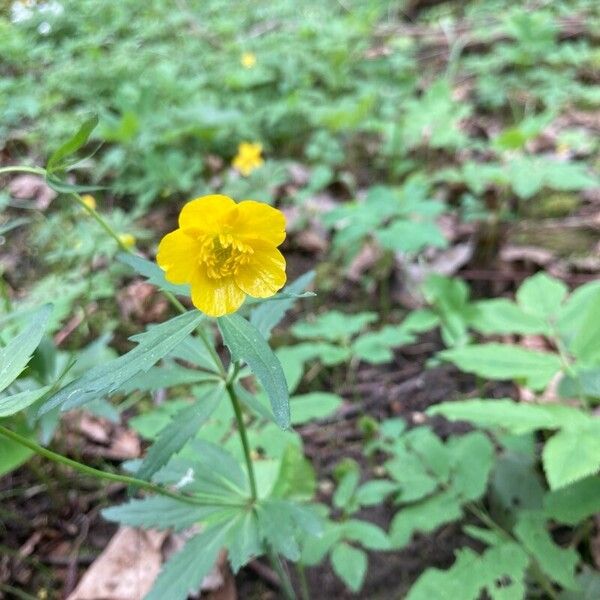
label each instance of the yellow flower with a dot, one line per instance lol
(248, 60)
(225, 251)
(248, 158)
(127, 240)
(89, 201)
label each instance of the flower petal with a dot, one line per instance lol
(176, 256)
(206, 213)
(264, 275)
(259, 221)
(216, 297)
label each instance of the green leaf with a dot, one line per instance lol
(158, 512)
(268, 314)
(153, 273)
(183, 573)
(56, 160)
(541, 295)
(374, 492)
(514, 417)
(346, 488)
(585, 345)
(424, 517)
(244, 540)
(506, 362)
(167, 376)
(558, 563)
(13, 454)
(183, 427)
(316, 405)
(105, 379)
(500, 571)
(9, 405)
(334, 326)
(277, 525)
(574, 503)
(296, 478)
(17, 353)
(350, 565)
(503, 316)
(571, 455)
(472, 457)
(375, 347)
(367, 534)
(246, 343)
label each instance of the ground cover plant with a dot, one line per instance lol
(299, 300)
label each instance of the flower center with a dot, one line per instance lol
(222, 255)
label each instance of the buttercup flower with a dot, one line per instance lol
(89, 201)
(127, 239)
(225, 251)
(248, 60)
(248, 158)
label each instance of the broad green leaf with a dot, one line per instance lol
(424, 517)
(585, 344)
(571, 455)
(153, 273)
(296, 477)
(411, 236)
(182, 428)
(246, 343)
(514, 417)
(503, 316)
(574, 503)
(375, 492)
(315, 548)
(17, 353)
(471, 458)
(504, 361)
(13, 454)
(159, 512)
(105, 379)
(9, 405)
(589, 584)
(575, 309)
(541, 295)
(278, 527)
(500, 571)
(165, 377)
(268, 314)
(315, 405)
(375, 347)
(346, 488)
(367, 534)
(149, 424)
(558, 563)
(334, 326)
(349, 564)
(183, 573)
(56, 160)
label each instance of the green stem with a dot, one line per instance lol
(284, 580)
(304, 593)
(133, 481)
(239, 417)
(23, 169)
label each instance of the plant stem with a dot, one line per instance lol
(97, 473)
(239, 417)
(23, 169)
(304, 593)
(286, 584)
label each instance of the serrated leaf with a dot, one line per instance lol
(246, 343)
(9, 405)
(182, 428)
(153, 273)
(17, 353)
(56, 160)
(277, 526)
(105, 379)
(574, 503)
(244, 540)
(349, 564)
(268, 314)
(183, 573)
(159, 512)
(571, 455)
(167, 376)
(505, 362)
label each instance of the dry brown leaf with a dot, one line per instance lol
(25, 187)
(126, 569)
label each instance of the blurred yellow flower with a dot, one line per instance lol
(89, 201)
(248, 60)
(225, 251)
(248, 158)
(127, 239)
